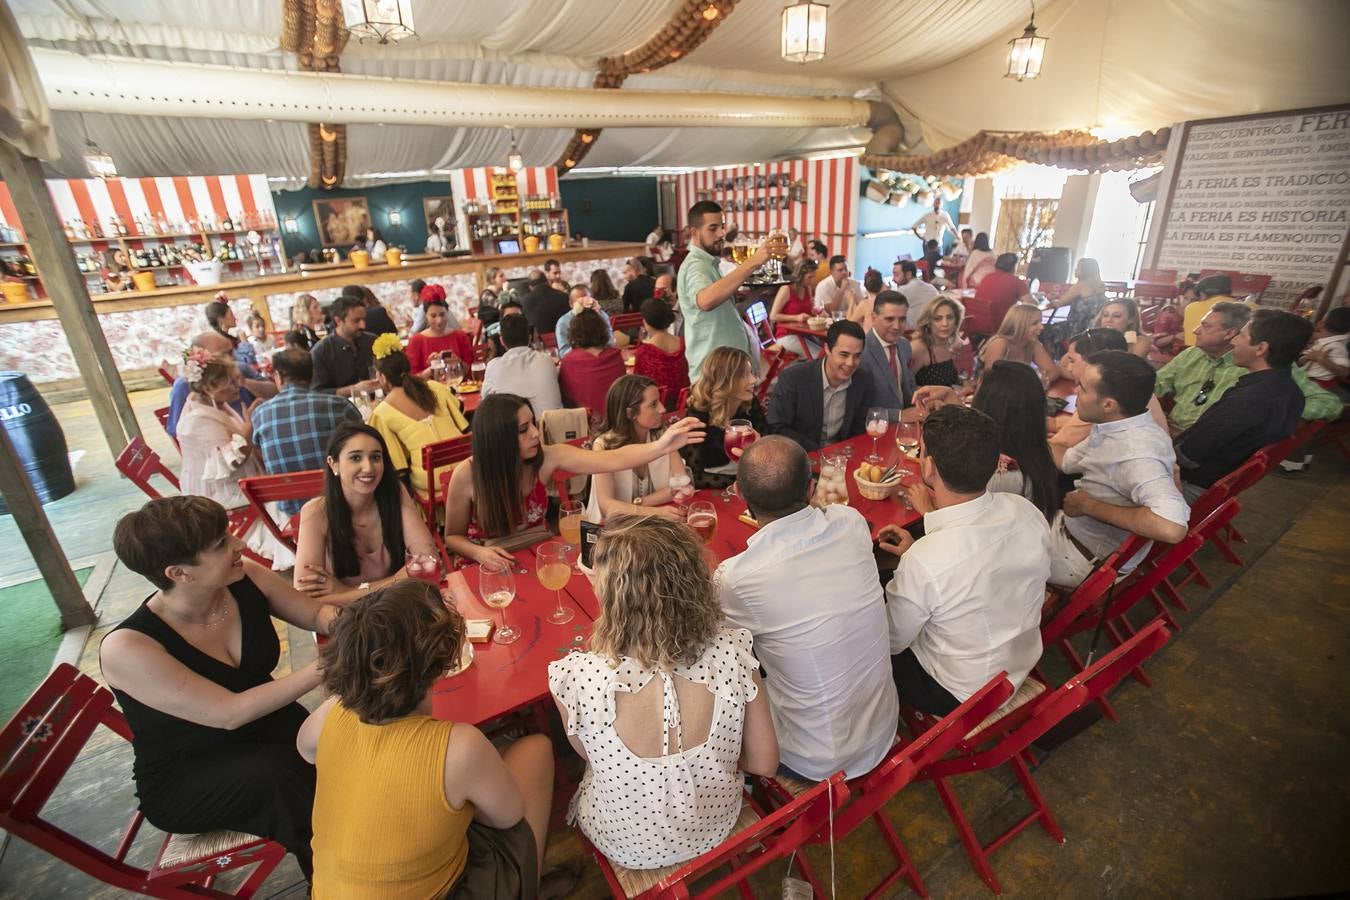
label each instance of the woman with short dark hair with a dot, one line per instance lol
(384, 762)
(212, 732)
(591, 366)
(660, 354)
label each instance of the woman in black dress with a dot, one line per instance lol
(214, 734)
(725, 390)
(933, 347)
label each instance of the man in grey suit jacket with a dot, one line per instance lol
(820, 402)
(894, 385)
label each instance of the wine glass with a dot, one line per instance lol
(739, 434)
(681, 487)
(907, 437)
(438, 368)
(497, 587)
(553, 570)
(878, 420)
(703, 519)
(424, 567)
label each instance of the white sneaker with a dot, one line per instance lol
(1290, 465)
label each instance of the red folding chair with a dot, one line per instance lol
(780, 362)
(162, 416)
(626, 321)
(1008, 738)
(549, 339)
(39, 746)
(872, 791)
(1337, 434)
(1159, 276)
(755, 841)
(438, 461)
(1248, 284)
(167, 376)
(263, 489)
(682, 404)
(139, 464)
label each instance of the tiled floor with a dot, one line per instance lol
(1227, 778)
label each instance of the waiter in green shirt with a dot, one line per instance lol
(1199, 375)
(707, 298)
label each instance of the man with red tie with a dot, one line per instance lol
(886, 353)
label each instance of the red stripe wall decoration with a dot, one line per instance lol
(758, 198)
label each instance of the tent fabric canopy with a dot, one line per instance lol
(1123, 66)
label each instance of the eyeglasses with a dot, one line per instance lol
(1203, 397)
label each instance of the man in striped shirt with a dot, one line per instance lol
(291, 430)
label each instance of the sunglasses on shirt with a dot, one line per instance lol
(1203, 397)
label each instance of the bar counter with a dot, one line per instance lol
(145, 329)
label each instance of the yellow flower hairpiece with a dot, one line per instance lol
(386, 344)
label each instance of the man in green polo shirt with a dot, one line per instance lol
(707, 299)
(1201, 374)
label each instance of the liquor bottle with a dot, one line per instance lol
(227, 225)
(119, 227)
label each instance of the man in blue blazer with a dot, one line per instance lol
(817, 402)
(886, 356)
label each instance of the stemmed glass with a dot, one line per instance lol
(553, 571)
(497, 587)
(454, 372)
(681, 487)
(878, 420)
(569, 525)
(907, 437)
(739, 434)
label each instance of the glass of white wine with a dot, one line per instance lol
(553, 571)
(497, 587)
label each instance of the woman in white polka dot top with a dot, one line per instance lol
(666, 708)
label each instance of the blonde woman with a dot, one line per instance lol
(724, 391)
(216, 444)
(633, 415)
(306, 317)
(666, 707)
(1123, 316)
(934, 344)
(1018, 340)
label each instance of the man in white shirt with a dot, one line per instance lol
(1127, 486)
(965, 602)
(838, 290)
(961, 249)
(829, 675)
(918, 292)
(935, 223)
(522, 370)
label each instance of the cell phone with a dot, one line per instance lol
(1055, 405)
(590, 533)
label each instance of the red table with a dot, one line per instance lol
(817, 333)
(470, 400)
(506, 677)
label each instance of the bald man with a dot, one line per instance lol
(830, 688)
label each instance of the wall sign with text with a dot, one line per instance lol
(1263, 194)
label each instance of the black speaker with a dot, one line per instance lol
(1050, 264)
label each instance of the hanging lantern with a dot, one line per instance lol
(379, 20)
(514, 162)
(804, 32)
(98, 163)
(1026, 52)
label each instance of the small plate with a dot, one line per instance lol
(468, 387)
(465, 660)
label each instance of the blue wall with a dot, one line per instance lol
(405, 198)
(611, 209)
(880, 253)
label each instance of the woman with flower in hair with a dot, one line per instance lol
(216, 444)
(441, 337)
(415, 412)
(666, 706)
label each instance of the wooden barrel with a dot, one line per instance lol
(38, 440)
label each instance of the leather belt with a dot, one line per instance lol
(1087, 554)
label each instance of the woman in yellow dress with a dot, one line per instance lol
(415, 412)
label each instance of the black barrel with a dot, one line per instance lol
(37, 438)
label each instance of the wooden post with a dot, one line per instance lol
(41, 539)
(1334, 283)
(62, 280)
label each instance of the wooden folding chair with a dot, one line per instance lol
(871, 792)
(167, 376)
(780, 362)
(756, 840)
(38, 748)
(263, 489)
(139, 464)
(438, 461)
(1159, 276)
(1008, 738)
(162, 416)
(626, 321)
(682, 404)
(1249, 284)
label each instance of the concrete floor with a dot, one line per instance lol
(1227, 779)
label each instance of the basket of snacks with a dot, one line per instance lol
(877, 482)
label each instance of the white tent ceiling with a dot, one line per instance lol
(1116, 63)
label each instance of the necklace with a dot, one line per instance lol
(212, 619)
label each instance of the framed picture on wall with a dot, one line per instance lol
(341, 220)
(434, 208)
